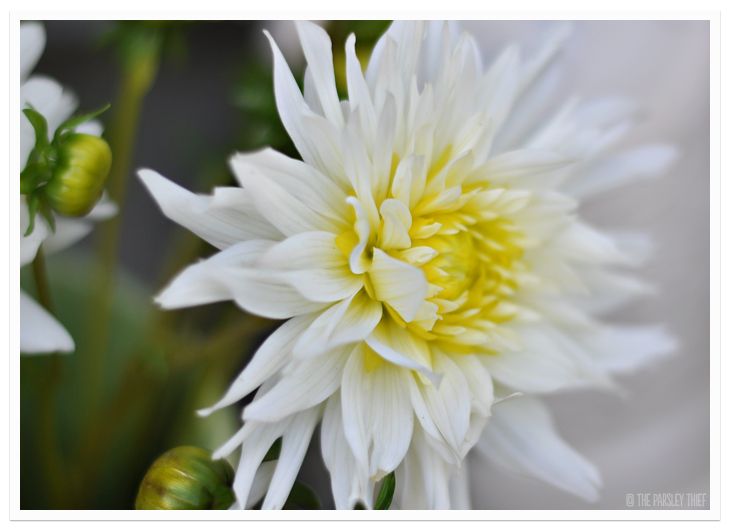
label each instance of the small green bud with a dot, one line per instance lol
(79, 174)
(186, 478)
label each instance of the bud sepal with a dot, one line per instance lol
(67, 174)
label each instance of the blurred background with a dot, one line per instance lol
(110, 414)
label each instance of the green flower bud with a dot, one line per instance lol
(79, 174)
(186, 478)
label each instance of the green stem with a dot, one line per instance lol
(136, 385)
(50, 454)
(41, 280)
(138, 75)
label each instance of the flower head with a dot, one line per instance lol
(430, 261)
(47, 99)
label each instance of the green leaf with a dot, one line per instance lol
(273, 452)
(32, 210)
(302, 497)
(387, 489)
(40, 126)
(71, 123)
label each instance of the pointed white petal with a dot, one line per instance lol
(294, 446)
(479, 381)
(39, 331)
(449, 404)
(317, 49)
(290, 214)
(312, 263)
(253, 450)
(546, 361)
(513, 166)
(303, 181)
(624, 168)
(350, 484)
(346, 322)
(32, 42)
(260, 483)
(307, 384)
(424, 478)
(226, 218)
(521, 437)
(400, 347)
(377, 414)
(459, 490)
(627, 348)
(396, 224)
(402, 286)
(271, 356)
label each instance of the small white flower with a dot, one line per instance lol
(39, 331)
(432, 265)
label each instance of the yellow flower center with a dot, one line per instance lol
(456, 266)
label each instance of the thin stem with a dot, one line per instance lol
(41, 280)
(51, 458)
(135, 386)
(138, 76)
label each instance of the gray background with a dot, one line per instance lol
(656, 440)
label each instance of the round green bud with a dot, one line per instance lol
(82, 166)
(186, 478)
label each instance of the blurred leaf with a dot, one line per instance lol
(302, 497)
(105, 457)
(273, 452)
(387, 489)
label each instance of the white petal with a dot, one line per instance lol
(104, 209)
(479, 381)
(459, 489)
(307, 384)
(39, 331)
(348, 321)
(314, 144)
(68, 231)
(396, 224)
(312, 263)
(349, 484)
(32, 42)
(317, 49)
(627, 348)
(400, 347)
(377, 414)
(204, 282)
(358, 93)
(358, 260)
(424, 481)
(514, 166)
(624, 168)
(301, 180)
(271, 356)
(294, 446)
(521, 437)
(289, 213)
(50, 99)
(402, 286)
(226, 218)
(583, 243)
(29, 244)
(260, 483)
(449, 404)
(546, 361)
(253, 450)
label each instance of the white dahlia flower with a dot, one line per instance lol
(431, 265)
(40, 332)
